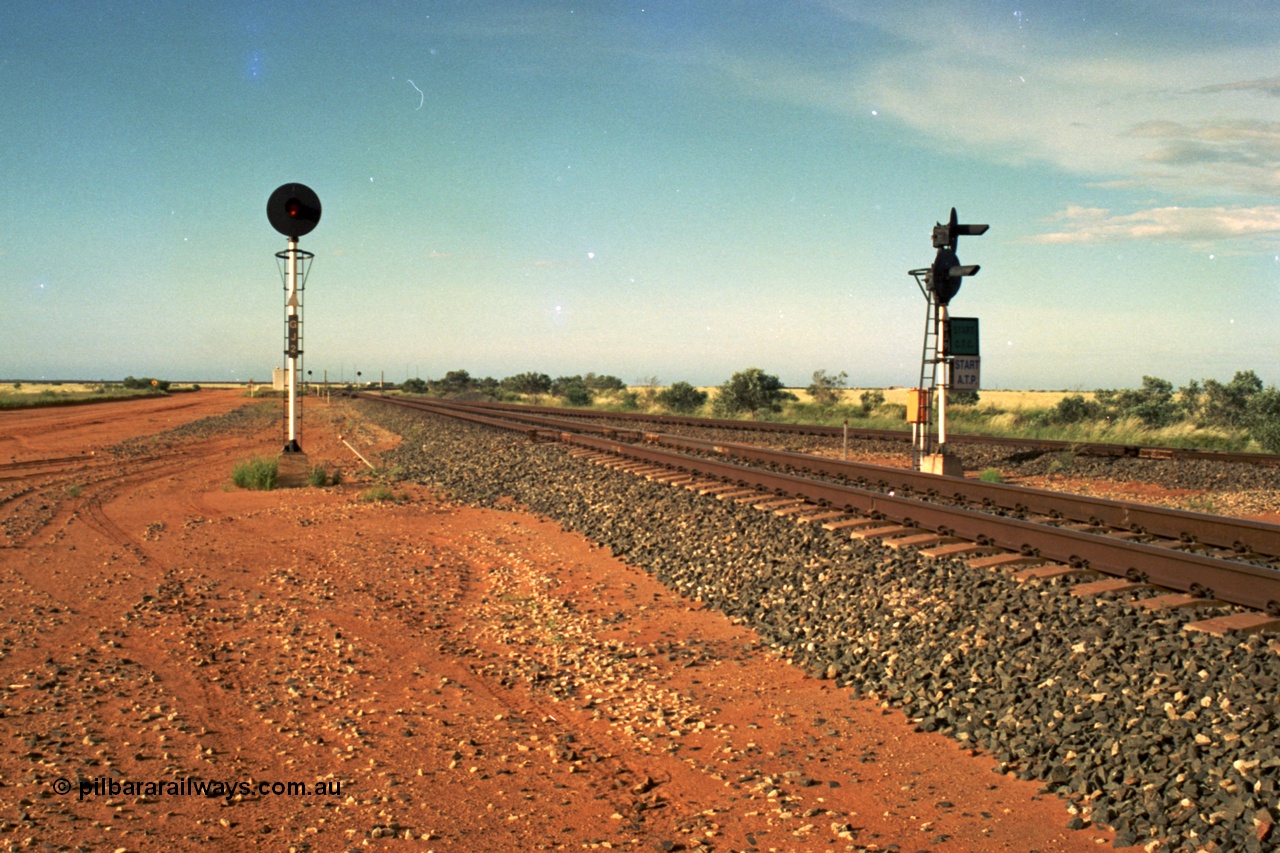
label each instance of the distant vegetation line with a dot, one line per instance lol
(28, 395)
(1240, 415)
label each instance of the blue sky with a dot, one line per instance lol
(670, 189)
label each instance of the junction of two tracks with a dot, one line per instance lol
(160, 625)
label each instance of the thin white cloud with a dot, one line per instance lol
(1122, 109)
(1267, 86)
(1192, 224)
(1240, 154)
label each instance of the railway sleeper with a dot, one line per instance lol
(1009, 558)
(961, 548)
(851, 524)
(778, 503)
(981, 554)
(884, 532)
(797, 510)
(919, 540)
(1047, 571)
(822, 515)
(701, 485)
(1250, 622)
(717, 489)
(736, 494)
(1106, 585)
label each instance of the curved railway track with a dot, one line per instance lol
(1201, 558)
(1099, 449)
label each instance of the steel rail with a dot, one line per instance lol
(1227, 580)
(1184, 527)
(1241, 535)
(1086, 448)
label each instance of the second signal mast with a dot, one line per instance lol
(948, 342)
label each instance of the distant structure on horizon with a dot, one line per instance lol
(279, 379)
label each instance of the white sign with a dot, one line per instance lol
(965, 372)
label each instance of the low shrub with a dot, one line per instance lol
(258, 473)
(381, 493)
(681, 397)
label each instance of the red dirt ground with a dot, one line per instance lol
(468, 679)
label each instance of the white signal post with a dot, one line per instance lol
(293, 210)
(945, 365)
(291, 306)
(294, 266)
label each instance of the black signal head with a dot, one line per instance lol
(293, 209)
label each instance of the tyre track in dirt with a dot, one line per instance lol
(473, 679)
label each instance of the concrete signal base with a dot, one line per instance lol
(292, 470)
(942, 463)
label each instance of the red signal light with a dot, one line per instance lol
(293, 209)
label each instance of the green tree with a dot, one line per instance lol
(1152, 403)
(146, 383)
(1073, 409)
(751, 390)
(871, 400)
(527, 383)
(1263, 418)
(1190, 399)
(414, 386)
(573, 389)
(604, 383)
(825, 388)
(681, 397)
(455, 382)
(1227, 405)
(962, 398)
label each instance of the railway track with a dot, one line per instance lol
(1165, 735)
(1198, 559)
(1038, 445)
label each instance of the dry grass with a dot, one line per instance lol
(1005, 400)
(1001, 400)
(19, 394)
(35, 388)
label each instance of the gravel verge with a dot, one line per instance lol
(249, 418)
(1159, 734)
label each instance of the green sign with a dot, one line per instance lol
(962, 336)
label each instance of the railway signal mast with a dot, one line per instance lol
(945, 339)
(293, 210)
